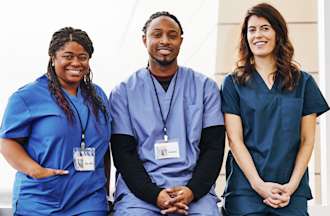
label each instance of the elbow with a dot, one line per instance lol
(1, 146)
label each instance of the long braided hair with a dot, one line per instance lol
(59, 39)
(287, 68)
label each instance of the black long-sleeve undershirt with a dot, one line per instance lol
(138, 181)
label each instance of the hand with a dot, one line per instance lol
(182, 194)
(280, 199)
(287, 190)
(172, 200)
(164, 200)
(42, 172)
(265, 189)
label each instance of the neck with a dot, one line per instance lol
(265, 66)
(163, 71)
(72, 90)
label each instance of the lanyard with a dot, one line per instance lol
(160, 108)
(83, 129)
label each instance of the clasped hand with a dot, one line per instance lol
(274, 194)
(175, 200)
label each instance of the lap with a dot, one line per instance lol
(245, 205)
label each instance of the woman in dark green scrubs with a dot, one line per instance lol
(270, 109)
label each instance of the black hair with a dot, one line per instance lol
(59, 39)
(159, 14)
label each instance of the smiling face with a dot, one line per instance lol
(71, 63)
(261, 37)
(163, 40)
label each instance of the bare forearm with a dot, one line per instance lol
(245, 162)
(301, 163)
(308, 125)
(17, 157)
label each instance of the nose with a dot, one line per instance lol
(164, 39)
(75, 61)
(258, 33)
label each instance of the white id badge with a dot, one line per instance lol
(167, 149)
(84, 159)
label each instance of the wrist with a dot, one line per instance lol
(256, 183)
(34, 171)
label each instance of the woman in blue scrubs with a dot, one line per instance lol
(270, 108)
(55, 132)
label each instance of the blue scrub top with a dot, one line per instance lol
(271, 128)
(135, 111)
(32, 113)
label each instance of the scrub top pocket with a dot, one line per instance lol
(291, 113)
(46, 190)
(194, 122)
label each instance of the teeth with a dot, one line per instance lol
(77, 72)
(164, 51)
(260, 43)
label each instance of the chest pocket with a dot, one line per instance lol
(291, 111)
(194, 120)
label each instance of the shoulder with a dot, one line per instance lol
(99, 90)
(197, 77)
(35, 88)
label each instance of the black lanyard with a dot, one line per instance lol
(160, 108)
(83, 129)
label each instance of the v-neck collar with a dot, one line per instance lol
(159, 87)
(263, 84)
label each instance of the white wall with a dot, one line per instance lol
(115, 28)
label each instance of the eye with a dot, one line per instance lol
(172, 36)
(83, 58)
(68, 57)
(156, 34)
(265, 28)
(251, 30)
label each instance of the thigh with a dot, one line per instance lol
(296, 207)
(94, 213)
(244, 205)
(205, 206)
(134, 212)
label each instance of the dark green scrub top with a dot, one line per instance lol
(271, 128)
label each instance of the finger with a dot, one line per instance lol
(181, 205)
(176, 199)
(284, 204)
(60, 172)
(181, 211)
(266, 201)
(169, 210)
(274, 201)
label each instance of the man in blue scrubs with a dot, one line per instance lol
(55, 132)
(168, 133)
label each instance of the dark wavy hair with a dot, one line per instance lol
(287, 68)
(59, 39)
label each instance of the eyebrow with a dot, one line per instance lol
(159, 29)
(267, 25)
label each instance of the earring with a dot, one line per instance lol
(53, 64)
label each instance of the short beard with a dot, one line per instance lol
(163, 63)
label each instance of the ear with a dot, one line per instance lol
(181, 40)
(144, 39)
(53, 60)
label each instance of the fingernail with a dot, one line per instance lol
(162, 212)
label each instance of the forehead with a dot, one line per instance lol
(164, 23)
(73, 47)
(257, 21)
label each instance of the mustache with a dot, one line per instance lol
(165, 48)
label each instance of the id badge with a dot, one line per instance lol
(167, 149)
(84, 159)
